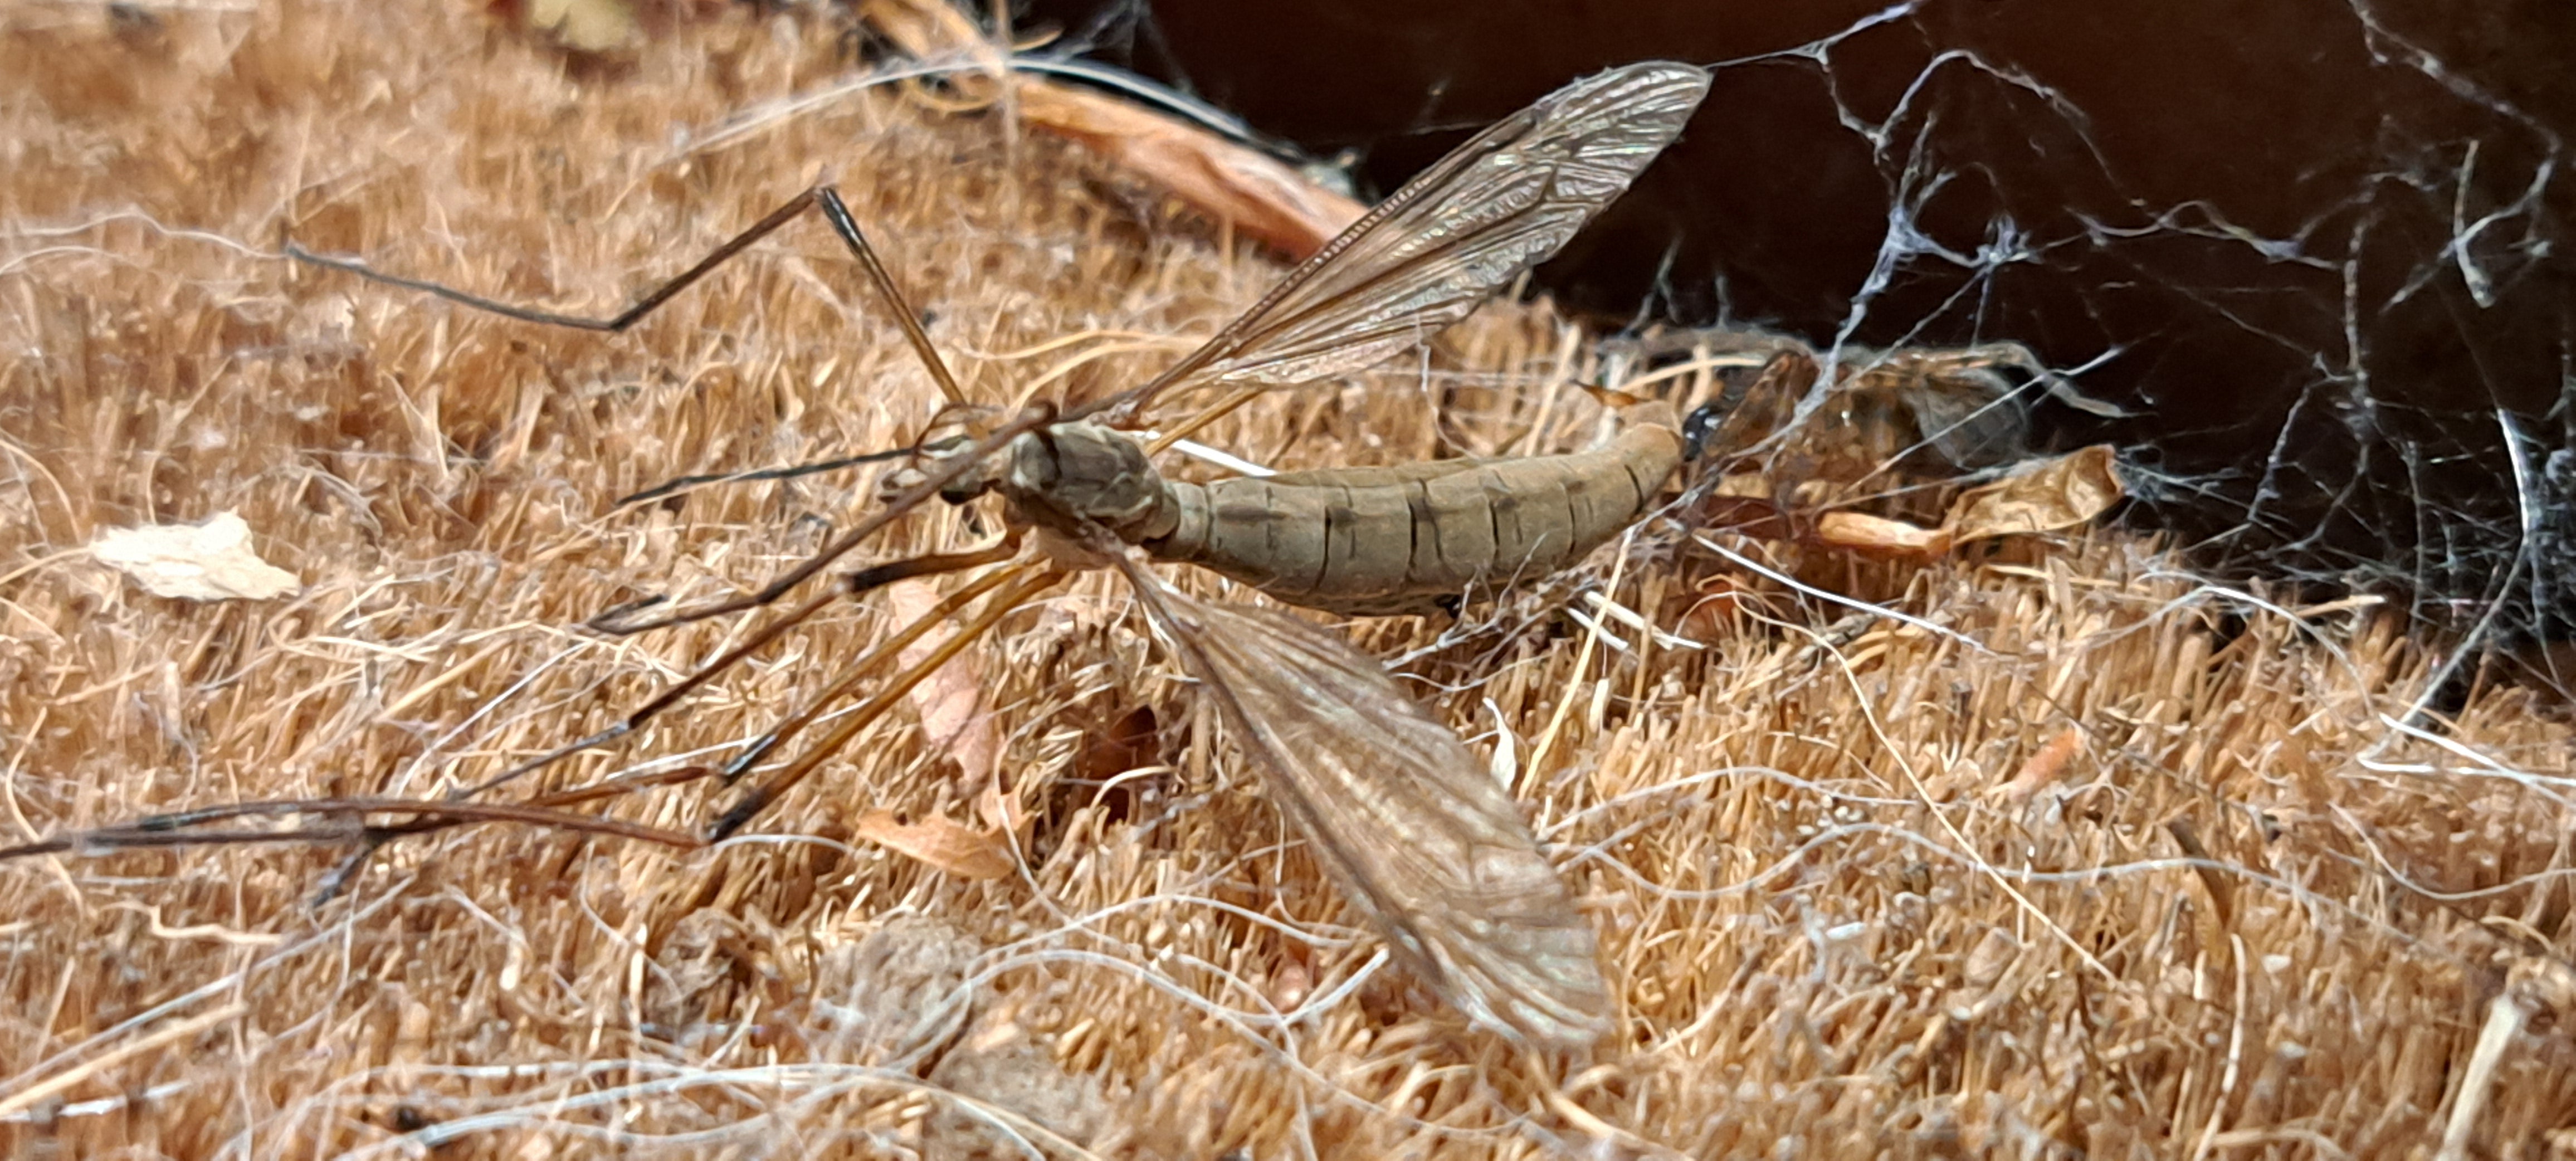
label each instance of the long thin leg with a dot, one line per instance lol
(860, 669)
(679, 484)
(375, 837)
(618, 621)
(615, 621)
(866, 713)
(172, 830)
(856, 585)
(1214, 412)
(822, 195)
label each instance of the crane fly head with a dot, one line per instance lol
(930, 458)
(952, 433)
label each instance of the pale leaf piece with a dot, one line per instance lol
(941, 842)
(211, 561)
(951, 700)
(1880, 536)
(2044, 497)
(1987, 961)
(586, 25)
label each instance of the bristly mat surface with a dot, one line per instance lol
(2076, 857)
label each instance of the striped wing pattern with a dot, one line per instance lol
(1459, 231)
(1411, 827)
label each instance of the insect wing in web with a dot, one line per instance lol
(1456, 233)
(1409, 825)
(1966, 412)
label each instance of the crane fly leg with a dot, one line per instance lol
(349, 867)
(1023, 582)
(677, 485)
(616, 623)
(858, 670)
(620, 621)
(1210, 414)
(858, 584)
(173, 830)
(822, 197)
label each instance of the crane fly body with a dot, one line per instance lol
(1407, 538)
(1409, 825)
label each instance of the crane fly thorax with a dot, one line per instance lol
(1070, 482)
(1068, 478)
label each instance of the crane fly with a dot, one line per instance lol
(1409, 825)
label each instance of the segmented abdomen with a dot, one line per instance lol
(1377, 541)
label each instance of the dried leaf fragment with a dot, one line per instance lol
(1742, 502)
(1880, 536)
(1263, 198)
(1001, 810)
(2047, 496)
(2043, 768)
(1987, 961)
(941, 842)
(594, 26)
(212, 561)
(951, 700)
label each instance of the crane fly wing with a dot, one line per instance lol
(1970, 415)
(1460, 230)
(1400, 814)
(1411, 827)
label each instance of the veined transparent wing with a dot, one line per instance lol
(1427, 256)
(1410, 826)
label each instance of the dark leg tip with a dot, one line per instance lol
(613, 621)
(734, 819)
(733, 771)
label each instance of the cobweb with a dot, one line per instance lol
(2308, 261)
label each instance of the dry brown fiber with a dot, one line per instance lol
(1850, 907)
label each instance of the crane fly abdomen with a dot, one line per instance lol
(1394, 540)
(1373, 541)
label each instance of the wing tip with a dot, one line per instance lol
(1678, 75)
(1653, 96)
(1557, 1022)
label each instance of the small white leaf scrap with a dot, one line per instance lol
(212, 561)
